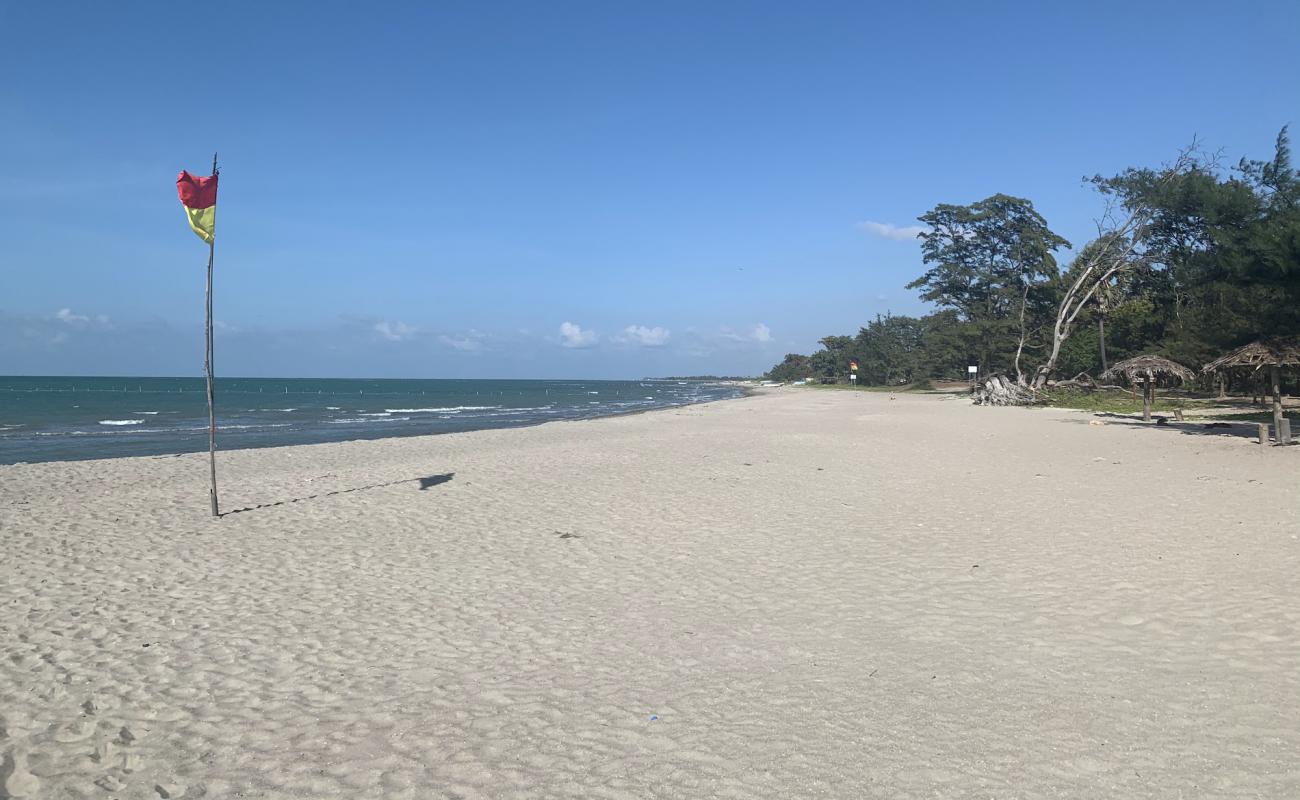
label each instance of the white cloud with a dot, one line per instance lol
(394, 331)
(888, 230)
(66, 315)
(574, 336)
(471, 342)
(646, 337)
(758, 333)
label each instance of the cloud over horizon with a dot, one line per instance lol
(395, 331)
(888, 230)
(758, 333)
(471, 342)
(574, 336)
(646, 337)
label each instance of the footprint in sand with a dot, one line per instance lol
(16, 781)
(1131, 619)
(74, 731)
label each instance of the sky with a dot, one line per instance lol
(565, 189)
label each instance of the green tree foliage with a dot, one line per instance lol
(794, 367)
(992, 262)
(1214, 264)
(832, 361)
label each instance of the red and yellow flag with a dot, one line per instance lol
(199, 196)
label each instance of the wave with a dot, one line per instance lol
(371, 418)
(149, 413)
(439, 410)
(120, 421)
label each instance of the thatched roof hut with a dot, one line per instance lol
(1258, 355)
(1141, 369)
(1149, 371)
(1273, 354)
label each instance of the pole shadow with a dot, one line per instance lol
(424, 483)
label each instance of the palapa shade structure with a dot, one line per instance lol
(1273, 354)
(1149, 371)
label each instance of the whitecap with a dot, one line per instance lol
(120, 421)
(438, 410)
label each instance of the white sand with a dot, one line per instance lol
(816, 593)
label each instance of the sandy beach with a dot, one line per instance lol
(798, 594)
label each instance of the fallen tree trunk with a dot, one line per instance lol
(1083, 379)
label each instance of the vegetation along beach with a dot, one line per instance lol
(462, 401)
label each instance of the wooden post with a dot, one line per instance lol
(1284, 431)
(1263, 434)
(1101, 340)
(1275, 372)
(207, 366)
(1147, 391)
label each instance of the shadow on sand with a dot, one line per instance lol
(1236, 430)
(425, 483)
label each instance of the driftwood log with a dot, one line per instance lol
(999, 390)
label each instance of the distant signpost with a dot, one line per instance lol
(853, 372)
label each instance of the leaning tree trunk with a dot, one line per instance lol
(1119, 253)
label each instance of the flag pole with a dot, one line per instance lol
(207, 366)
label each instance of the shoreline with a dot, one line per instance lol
(741, 393)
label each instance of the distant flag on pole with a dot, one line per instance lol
(199, 196)
(853, 365)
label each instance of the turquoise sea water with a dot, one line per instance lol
(56, 419)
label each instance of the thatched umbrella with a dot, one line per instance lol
(1271, 353)
(1149, 370)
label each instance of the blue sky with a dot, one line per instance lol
(562, 189)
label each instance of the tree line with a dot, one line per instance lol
(1190, 260)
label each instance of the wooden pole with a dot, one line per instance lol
(1279, 435)
(207, 366)
(1146, 399)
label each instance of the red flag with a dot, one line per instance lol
(197, 192)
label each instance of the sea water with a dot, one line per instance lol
(57, 419)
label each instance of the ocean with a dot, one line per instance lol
(60, 419)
